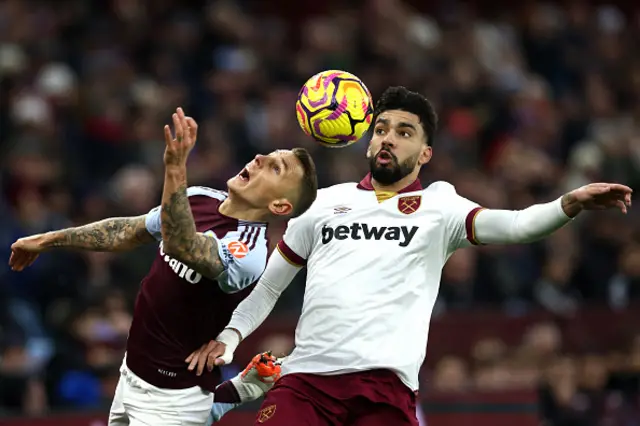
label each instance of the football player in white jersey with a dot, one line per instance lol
(374, 253)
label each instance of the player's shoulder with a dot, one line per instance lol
(205, 191)
(340, 188)
(327, 198)
(440, 188)
(443, 195)
(332, 195)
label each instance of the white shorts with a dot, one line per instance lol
(138, 403)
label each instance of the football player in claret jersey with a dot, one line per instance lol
(212, 246)
(374, 253)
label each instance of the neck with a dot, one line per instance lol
(396, 186)
(240, 210)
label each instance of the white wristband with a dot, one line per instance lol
(231, 339)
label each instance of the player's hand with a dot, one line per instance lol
(178, 148)
(263, 368)
(597, 196)
(208, 356)
(25, 251)
(258, 378)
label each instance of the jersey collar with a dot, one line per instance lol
(366, 185)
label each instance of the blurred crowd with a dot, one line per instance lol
(577, 389)
(533, 101)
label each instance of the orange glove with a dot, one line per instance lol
(258, 377)
(266, 366)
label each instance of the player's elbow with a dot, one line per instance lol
(178, 249)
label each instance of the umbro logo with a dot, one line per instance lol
(341, 210)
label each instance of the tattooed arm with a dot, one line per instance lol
(179, 236)
(115, 234)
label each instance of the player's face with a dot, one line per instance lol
(397, 147)
(269, 181)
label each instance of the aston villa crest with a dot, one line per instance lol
(408, 205)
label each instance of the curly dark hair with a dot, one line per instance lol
(401, 98)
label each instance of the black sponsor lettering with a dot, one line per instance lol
(341, 232)
(357, 231)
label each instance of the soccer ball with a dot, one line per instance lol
(335, 108)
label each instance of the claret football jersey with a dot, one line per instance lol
(177, 309)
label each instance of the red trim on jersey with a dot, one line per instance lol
(366, 184)
(290, 255)
(469, 225)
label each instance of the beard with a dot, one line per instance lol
(392, 172)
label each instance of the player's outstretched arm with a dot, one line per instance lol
(179, 236)
(541, 220)
(114, 234)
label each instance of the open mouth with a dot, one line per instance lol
(385, 157)
(244, 175)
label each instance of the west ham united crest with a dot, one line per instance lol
(408, 205)
(266, 413)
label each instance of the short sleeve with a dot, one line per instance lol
(243, 258)
(297, 241)
(153, 220)
(218, 410)
(153, 223)
(460, 215)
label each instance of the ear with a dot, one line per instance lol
(369, 151)
(425, 155)
(281, 207)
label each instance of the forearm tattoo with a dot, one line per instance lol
(181, 239)
(570, 204)
(115, 234)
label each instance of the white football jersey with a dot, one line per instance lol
(374, 264)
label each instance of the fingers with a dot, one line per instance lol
(623, 194)
(193, 128)
(193, 358)
(186, 129)
(21, 259)
(193, 361)
(621, 205)
(168, 139)
(183, 120)
(610, 195)
(211, 360)
(620, 188)
(205, 357)
(177, 126)
(201, 363)
(189, 127)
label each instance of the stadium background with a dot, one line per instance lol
(534, 98)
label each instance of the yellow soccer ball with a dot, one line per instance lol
(335, 108)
